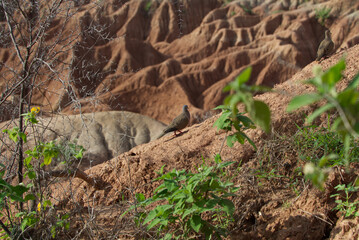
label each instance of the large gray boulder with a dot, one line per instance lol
(104, 135)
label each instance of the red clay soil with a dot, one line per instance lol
(266, 208)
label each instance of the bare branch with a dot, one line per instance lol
(13, 39)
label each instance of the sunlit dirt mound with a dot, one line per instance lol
(154, 58)
(266, 208)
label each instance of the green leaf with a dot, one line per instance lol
(182, 194)
(47, 203)
(247, 122)
(235, 99)
(65, 216)
(31, 174)
(354, 82)
(47, 160)
(302, 100)
(222, 107)
(140, 197)
(244, 76)
(53, 231)
(249, 140)
(151, 215)
(19, 189)
(162, 169)
(23, 136)
(217, 158)
(347, 139)
(227, 88)
(237, 83)
(13, 134)
(334, 74)
(195, 223)
(214, 185)
(220, 123)
(318, 112)
(231, 139)
(261, 115)
(24, 223)
(161, 209)
(188, 212)
(210, 204)
(168, 236)
(27, 160)
(348, 98)
(226, 164)
(227, 205)
(154, 223)
(29, 196)
(79, 154)
(171, 185)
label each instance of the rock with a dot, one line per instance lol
(104, 135)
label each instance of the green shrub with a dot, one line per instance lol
(189, 203)
(20, 221)
(344, 204)
(231, 118)
(346, 125)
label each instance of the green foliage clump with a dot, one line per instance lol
(148, 6)
(345, 102)
(344, 204)
(258, 111)
(190, 203)
(340, 146)
(322, 14)
(23, 220)
(240, 122)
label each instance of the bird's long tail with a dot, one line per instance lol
(161, 135)
(165, 132)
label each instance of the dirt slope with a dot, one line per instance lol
(264, 209)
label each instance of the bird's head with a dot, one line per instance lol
(327, 34)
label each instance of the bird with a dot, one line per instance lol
(178, 123)
(326, 46)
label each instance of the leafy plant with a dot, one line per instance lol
(197, 202)
(15, 193)
(44, 153)
(322, 14)
(257, 110)
(345, 102)
(15, 134)
(344, 204)
(346, 124)
(240, 122)
(61, 223)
